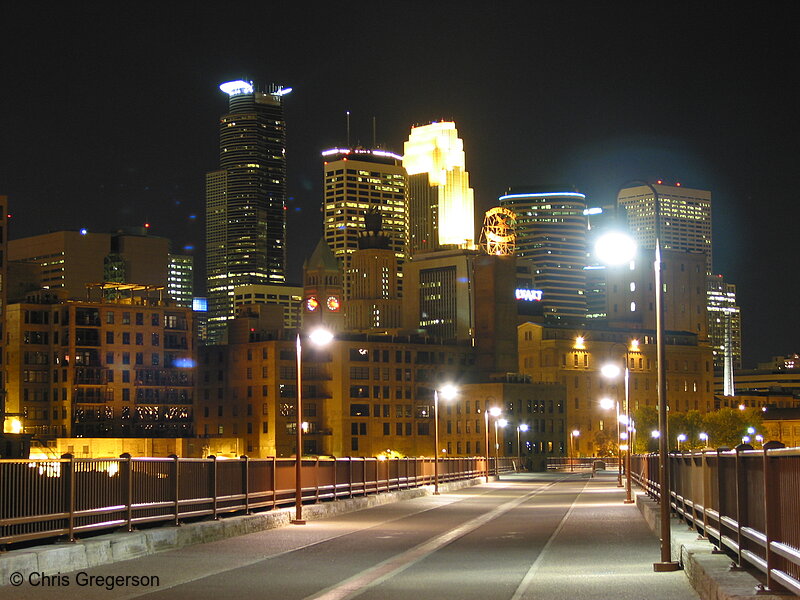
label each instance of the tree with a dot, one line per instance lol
(606, 442)
(727, 426)
(645, 420)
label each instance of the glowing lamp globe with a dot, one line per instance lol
(615, 248)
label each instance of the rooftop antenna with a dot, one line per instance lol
(348, 128)
(374, 134)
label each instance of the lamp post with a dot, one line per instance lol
(607, 404)
(497, 423)
(703, 437)
(319, 337)
(666, 563)
(612, 371)
(520, 428)
(681, 439)
(448, 393)
(572, 435)
(495, 411)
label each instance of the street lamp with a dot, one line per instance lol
(448, 393)
(612, 371)
(703, 437)
(497, 423)
(572, 435)
(495, 412)
(522, 427)
(608, 404)
(681, 439)
(318, 337)
(617, 248)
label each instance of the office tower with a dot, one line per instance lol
(685, 217)
(440, 201)
(358, 180)
(724, 329)
(322, 290)
(246, 199)
(631, 298)
(70, 260)
(288, 297)
(180, 279)
(551, 232)
(465, 296)
(374, 302)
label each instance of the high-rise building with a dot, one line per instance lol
(246, 199)
(724, 329)
(358, 180)
(180, 279)
(551, 233)
(374, 303)
(288, 297)
(70, 260)
(465, 296)
(631, 298)
(685, 217)
(440, 200)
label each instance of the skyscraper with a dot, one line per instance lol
(246, 199)
(440, 201)
(374, 302)
(551, 233)
(685, 216)
(358, 180)
(724, 329)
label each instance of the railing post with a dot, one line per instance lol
(720, 492)
(350, 473)
(70, 495)
(245, 461)
(741, 499)
(316, 480)
(176, 488)
(127, 477)
(274, 482)
(335, 469)
(772, 498)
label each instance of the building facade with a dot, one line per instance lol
(246, 199)
(724, 328)
(374, 303)
(92, 369)
(574, 356)
(357, 181)
(441, 211)
(551, 232)
(68, 261)
(685, 218)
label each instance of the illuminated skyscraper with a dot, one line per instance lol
(246, 199)
(685, 216)
(440, 201)
(724, 329)
(358, 180)
(551, 233)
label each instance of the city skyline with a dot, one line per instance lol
(557, 97)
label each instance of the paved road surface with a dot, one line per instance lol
(544, 536)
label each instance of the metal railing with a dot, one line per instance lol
(744, 501)
(72, 496)
(580, 463)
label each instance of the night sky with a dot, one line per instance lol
(108, 116)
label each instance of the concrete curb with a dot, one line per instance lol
(709, 574)
(115, 547)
